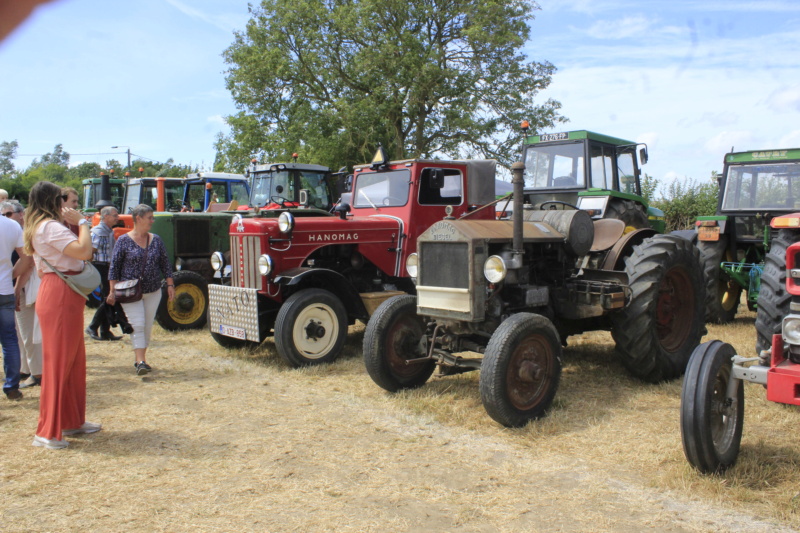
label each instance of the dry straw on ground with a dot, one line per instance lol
(235, 441)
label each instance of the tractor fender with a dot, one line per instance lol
(616, 256)
(302, 277)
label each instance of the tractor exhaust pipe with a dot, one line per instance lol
(517, 170)
(105, 192)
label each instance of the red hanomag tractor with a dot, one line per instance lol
(712, 399)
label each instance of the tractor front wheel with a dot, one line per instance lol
(189, 309)
(521, 369)
(393, 336)
(664, 320)
(310, 328)
(711, 420)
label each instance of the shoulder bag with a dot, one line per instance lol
(84, 283)
(130, 291)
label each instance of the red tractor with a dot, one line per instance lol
(307, 273)
(712, 398)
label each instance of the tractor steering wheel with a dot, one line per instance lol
(541, 206)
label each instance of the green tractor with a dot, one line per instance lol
(92, 193)
(755, 187)
(591, 172)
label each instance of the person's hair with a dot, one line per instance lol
(108, 210)
(44, 203)
(139, 211)
(7, 205)
(18, 207)
(69, 190)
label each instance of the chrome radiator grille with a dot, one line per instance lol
(444, 264)
(245, 252)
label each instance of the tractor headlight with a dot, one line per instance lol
(411, 265)
(285, 222)
(495, 269)
(265, 264)
(217, 261)
(791, 330)
(178, 263)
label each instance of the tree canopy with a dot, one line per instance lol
(332, 79)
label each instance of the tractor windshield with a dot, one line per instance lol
(774, 186)
(555, 166)
(282, 186)
(91, 195)
(381, 189)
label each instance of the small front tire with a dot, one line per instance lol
(189, 309)
(393, 336)
(521, 370)
(310, 328)
(711, 422)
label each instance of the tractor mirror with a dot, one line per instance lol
(437, 178)
(303, 199)
(643, 155)
(342, 208)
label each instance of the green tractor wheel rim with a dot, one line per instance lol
(187, 306)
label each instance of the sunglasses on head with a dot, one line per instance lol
(9, 214)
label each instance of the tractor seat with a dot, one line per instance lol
(607, 232)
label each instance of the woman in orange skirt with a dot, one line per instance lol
(62, 404)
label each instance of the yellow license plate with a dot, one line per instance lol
(708, 233)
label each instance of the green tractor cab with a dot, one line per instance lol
(596, 173)
(755, 187)
(92, 194)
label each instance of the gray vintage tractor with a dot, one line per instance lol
(502, 296)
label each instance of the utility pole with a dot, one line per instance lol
(129, 153)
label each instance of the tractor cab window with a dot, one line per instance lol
(149, 196)
(627, 170)
(239, 193)
(440, 186)
(602, 166)
(381, 189)
(132, 197)
(768, 186)
(282, 186)
(195, 195)
(173, 196)
(559, 166)
(317, 187)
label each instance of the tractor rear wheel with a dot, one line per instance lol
(664, 320)
(722, 292)
(711, 422)
(773, 300)
(628, 211)
(393, 336)
(521, 369)
(311, 328)
(189, 309)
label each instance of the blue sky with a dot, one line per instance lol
(691, 79)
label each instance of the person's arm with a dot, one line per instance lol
(82, 248)
(166, 269)
(22, 272)
(114, 270)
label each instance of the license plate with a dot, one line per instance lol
(231, 331)
(708, 233)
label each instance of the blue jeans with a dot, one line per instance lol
(8, 338)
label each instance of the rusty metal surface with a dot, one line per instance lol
(490, 230)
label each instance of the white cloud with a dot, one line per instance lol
(785, 99)
(790, 140)
(624, 28)
(725, 140)
(222, 22)
(217, 119)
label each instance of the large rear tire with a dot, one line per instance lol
(521, 369)
(628, 211)
(664, 320)
(773, 300)
(393, 336)
(722, 293)
(189, 309)
(711, 422)
(311, 328)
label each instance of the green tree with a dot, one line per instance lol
(424, 78)
(8, 152)
(687, 199)
(57, 157)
